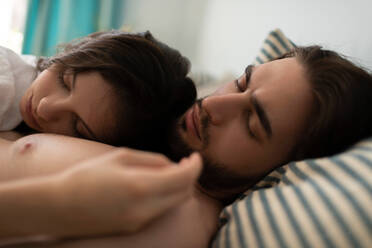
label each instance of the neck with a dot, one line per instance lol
(211, 204)
(225, 196)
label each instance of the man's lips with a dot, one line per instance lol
(196, 115)
(193, 121)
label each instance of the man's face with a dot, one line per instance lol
(70, 105)
(250, 125)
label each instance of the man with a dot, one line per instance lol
(272, 114)
(310, 104)
(245, 129)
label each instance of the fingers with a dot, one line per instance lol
(178, 178)
(172, 186)
(183, 178)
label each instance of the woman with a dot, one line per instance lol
(52, 190)
(118, 88)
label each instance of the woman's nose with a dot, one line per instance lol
(51, 109)
(222, 108)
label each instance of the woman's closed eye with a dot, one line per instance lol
(76, 130)
(62, 82)
(82, 130)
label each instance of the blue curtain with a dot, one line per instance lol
(51, 22)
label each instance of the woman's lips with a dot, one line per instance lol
(30, 115)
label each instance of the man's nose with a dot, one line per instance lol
(222, 108)
(52, 109)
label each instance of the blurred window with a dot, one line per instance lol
(12, 22)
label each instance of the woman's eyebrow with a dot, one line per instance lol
(73, 81)
(262, 116)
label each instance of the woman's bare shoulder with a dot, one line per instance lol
(10, 135)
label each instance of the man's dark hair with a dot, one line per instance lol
(149, 80)
(342, 113)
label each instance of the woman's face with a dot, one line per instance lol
(78, 105)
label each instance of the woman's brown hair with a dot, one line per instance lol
(149, 80)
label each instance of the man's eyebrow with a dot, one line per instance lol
(248, 70)
(262, 116)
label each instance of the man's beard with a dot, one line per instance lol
(216, 179)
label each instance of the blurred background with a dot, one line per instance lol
(220, 37)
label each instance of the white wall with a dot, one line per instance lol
(175, 22)
(233, 30)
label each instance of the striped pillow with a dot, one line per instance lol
(275, 45)
(324, 202)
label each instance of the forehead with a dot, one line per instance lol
(95, 104)
(285, 93)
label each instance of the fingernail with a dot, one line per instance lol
(183, 160)
(194, 155)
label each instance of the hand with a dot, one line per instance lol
(123, 190)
